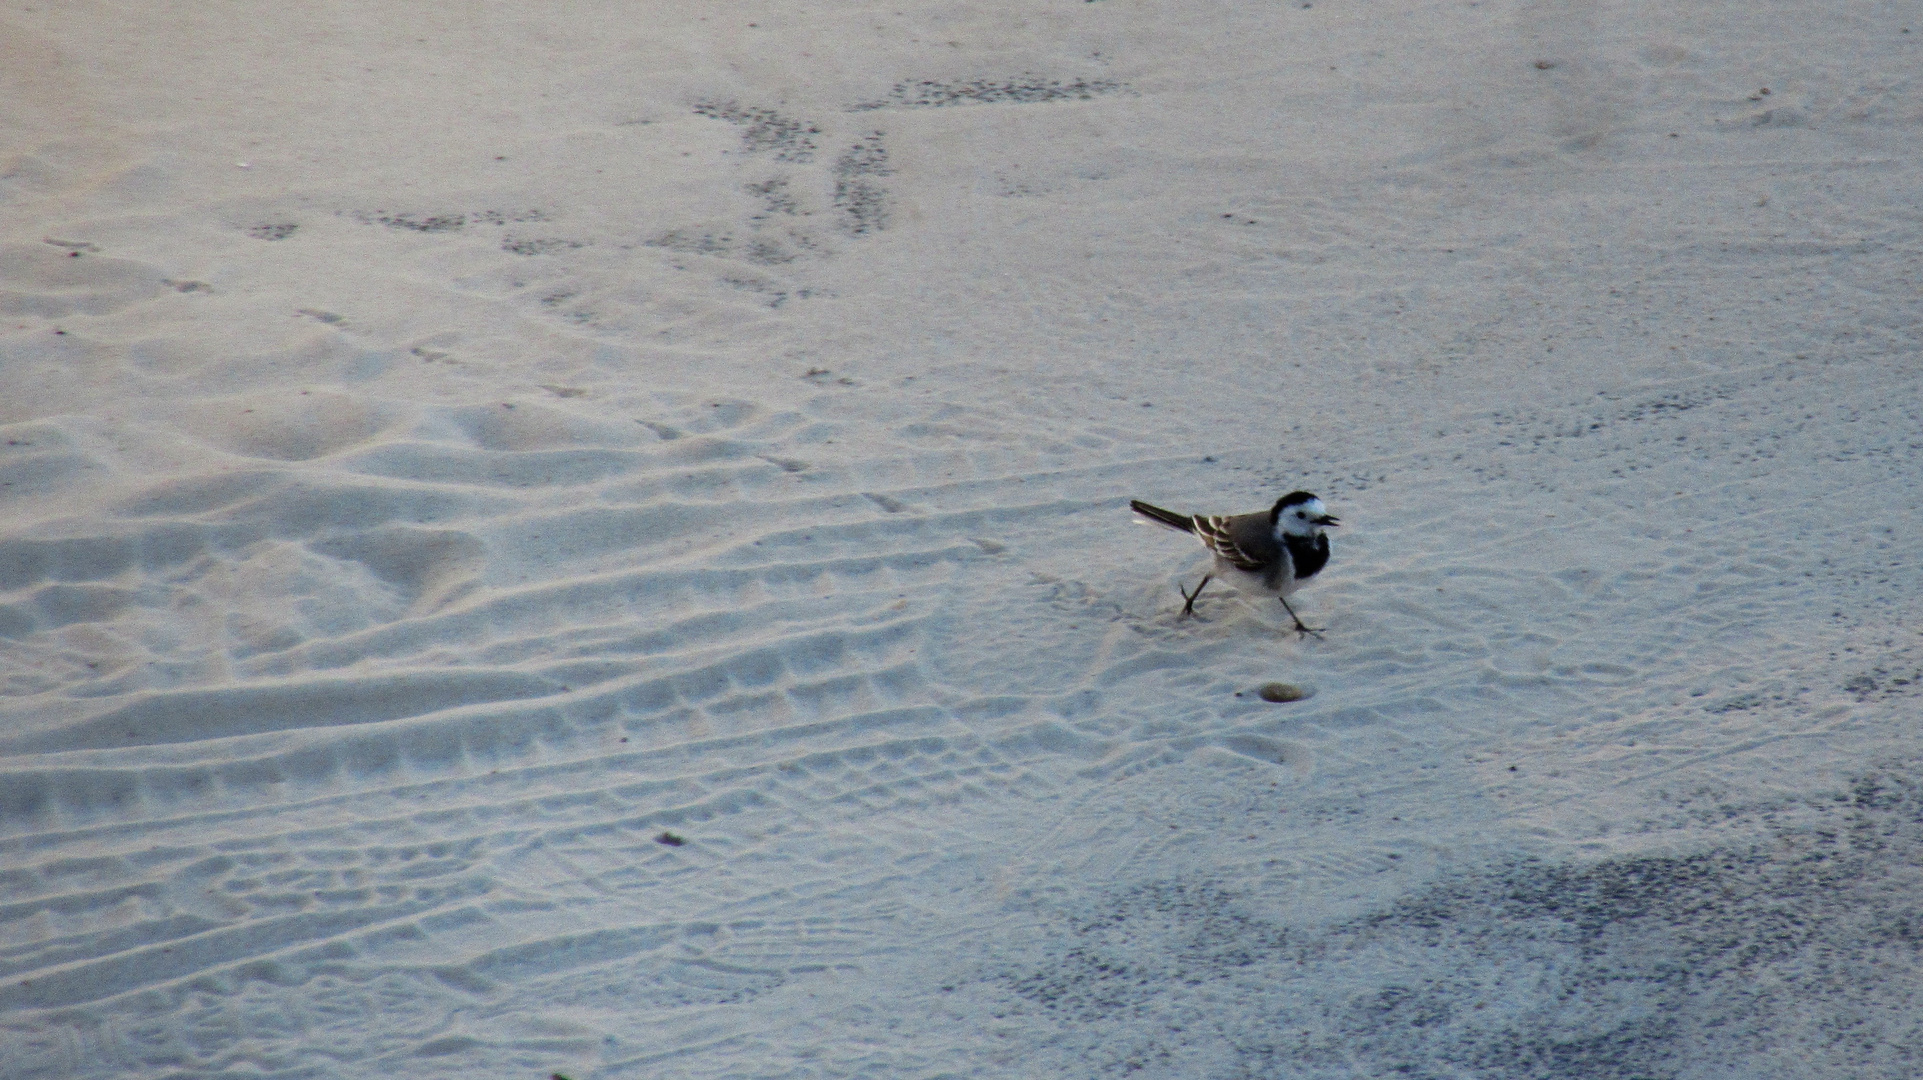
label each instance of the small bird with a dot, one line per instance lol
(1273, 551)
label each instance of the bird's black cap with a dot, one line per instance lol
(1293, 498)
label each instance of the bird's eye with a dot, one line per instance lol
(1300, 514)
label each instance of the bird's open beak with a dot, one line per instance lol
(1327, 519)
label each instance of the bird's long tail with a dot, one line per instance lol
(1180, 522)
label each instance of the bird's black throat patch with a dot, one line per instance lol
(1308, 556)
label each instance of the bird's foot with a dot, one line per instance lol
(1302, 629)
(1188, 608)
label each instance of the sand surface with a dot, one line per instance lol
(592, 538)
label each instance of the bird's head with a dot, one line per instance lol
(1301, 514)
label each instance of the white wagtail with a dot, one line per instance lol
(1272, 552)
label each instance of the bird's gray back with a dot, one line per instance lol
(1245, 541)
(1254, 535)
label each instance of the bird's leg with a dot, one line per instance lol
(1299, 627)
(1189, 607)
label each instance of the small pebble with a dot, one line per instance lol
(1281, 691)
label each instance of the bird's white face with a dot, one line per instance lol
(1304, 519)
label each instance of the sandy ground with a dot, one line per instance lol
(592, 538)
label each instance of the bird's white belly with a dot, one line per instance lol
(1241, 580)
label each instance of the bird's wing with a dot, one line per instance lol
(1243, 540)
